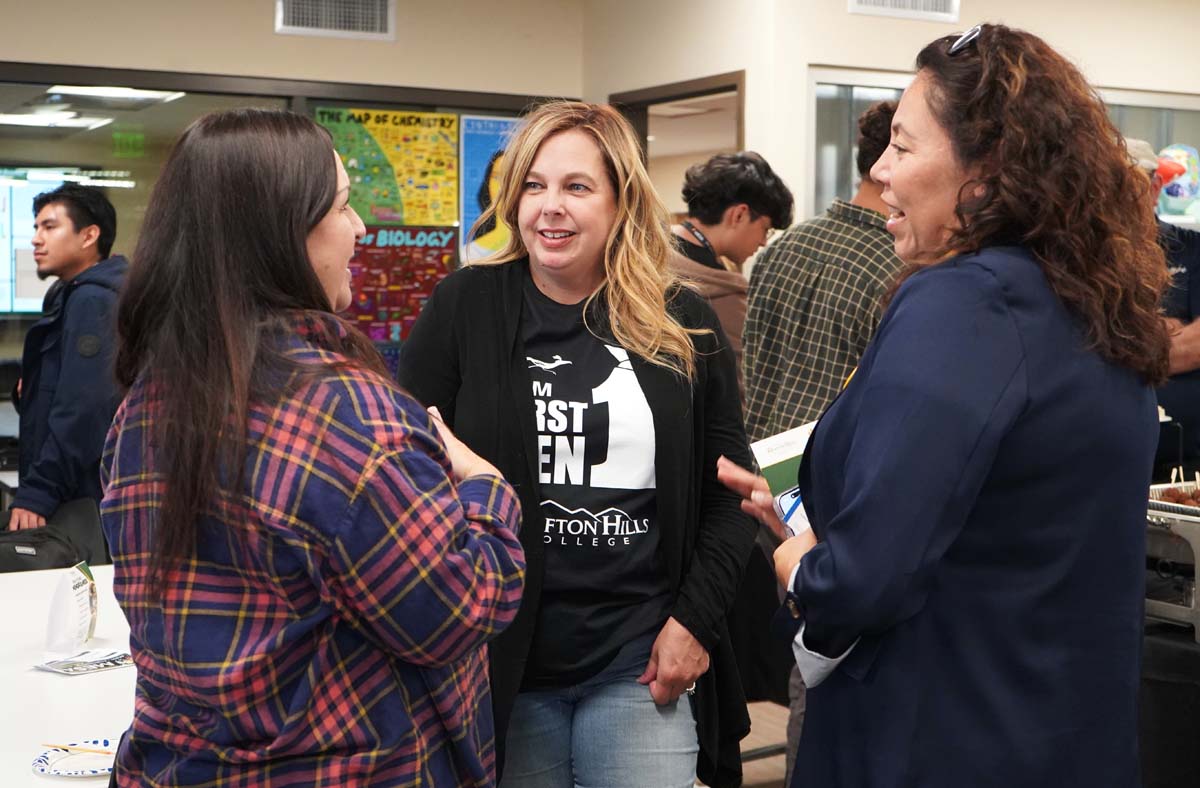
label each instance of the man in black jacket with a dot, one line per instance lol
(67, 395)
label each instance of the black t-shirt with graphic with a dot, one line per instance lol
(605, 582)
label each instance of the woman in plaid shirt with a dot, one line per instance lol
(310, 563)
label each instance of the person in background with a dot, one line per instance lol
(606, 392)
(1180, 395)
(311, 564)
(816, 296)
(66, 395)
(968, 605)
(734, 201)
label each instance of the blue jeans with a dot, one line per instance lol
(604, 733)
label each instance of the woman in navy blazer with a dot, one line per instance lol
(969, 599)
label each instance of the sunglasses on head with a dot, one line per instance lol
(965, 40)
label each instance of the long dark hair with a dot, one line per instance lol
(1056, 178)
(220, 271)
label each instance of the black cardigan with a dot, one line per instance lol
(464, 355)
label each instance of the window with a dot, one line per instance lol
(113, 137)
(419, 192)
(841, 95)
(838, 109)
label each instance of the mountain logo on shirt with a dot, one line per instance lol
(547, 366)
(583, 528)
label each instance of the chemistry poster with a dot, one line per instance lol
(403, 165)
(483, 140)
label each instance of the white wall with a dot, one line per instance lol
(1144, 45)
(475, 45)
(630, 44)
(1117, 43)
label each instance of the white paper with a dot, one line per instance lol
(782, 447)
(88, 662)
(72, 620)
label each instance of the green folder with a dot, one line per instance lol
(779, 456)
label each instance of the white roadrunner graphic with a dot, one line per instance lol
(547, 366)
(631, 426)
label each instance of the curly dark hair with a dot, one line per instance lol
(1055, 178)
(732, 178)
(874, 135)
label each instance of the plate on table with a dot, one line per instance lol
(61, 762)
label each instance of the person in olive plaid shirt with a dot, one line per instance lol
(311, 564)
(814, 302)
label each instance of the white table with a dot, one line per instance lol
(39, 706)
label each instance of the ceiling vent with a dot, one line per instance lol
(371, 20)
(928, 10)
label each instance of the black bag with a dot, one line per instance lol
(35, 548)
(72, 534)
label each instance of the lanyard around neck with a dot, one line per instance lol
(699, 236)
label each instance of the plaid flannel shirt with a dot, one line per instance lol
(813, 304)
(330, 629)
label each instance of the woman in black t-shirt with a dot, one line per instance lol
(605, 392)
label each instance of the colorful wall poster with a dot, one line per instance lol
(403, 165)
(483, 141)
(393, 273)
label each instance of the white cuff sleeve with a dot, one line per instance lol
(814, 667)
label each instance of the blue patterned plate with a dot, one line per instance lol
(59, 762)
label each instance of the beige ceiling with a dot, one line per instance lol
(159, 123)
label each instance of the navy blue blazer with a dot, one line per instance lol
(979, 493)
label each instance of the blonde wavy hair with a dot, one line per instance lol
(637, 279)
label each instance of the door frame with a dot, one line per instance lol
(635, 104)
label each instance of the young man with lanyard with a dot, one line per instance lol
(734, 201)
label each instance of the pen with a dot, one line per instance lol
(73, 748)
(791, 509)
